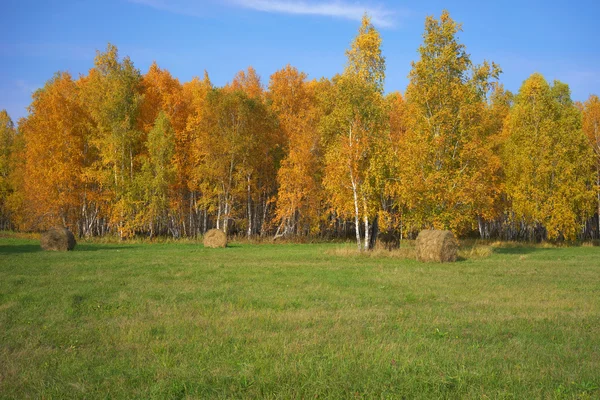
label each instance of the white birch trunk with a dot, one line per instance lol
(226, 215)
(219, 215)
(598, 183)
(366, 222)
(356, 212)
(249, 210)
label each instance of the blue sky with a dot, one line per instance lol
(37, 38)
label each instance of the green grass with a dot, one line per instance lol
(176, 320)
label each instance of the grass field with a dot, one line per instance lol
(296, 321)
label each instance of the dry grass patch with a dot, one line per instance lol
(467, 250)
(518, 245)
(474, 251)
(19, 235)
(405, 251)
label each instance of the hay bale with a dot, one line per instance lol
(436, 246)
(215, 238)
(58, 239)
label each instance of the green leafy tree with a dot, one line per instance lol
(158, 174)
(259, 172)
(231, 150)
(112, 93)
(163, 92)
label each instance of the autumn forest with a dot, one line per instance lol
(118, 152)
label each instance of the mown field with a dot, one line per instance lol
(176, 320)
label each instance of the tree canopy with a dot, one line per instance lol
(117, 151)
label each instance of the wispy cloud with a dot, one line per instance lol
(183, 7)
(380, 15)
(338, 9)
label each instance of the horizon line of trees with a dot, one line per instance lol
(117, 152)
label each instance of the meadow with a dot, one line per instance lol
(176, 320)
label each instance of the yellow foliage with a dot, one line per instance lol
(547, 159)
(447, 170)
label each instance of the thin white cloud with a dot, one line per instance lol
(183, 7)
(338, 9)
(380, 16)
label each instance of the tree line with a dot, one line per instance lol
(124, 153)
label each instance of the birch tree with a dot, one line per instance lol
(112, 94)
(449, 170)
(7, 140)
(299, 195)
(158, 175)
(591, 128)
(54, 136)
(352, 129)
(548, 161)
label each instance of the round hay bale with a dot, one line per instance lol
(215, 238)
(58, 239)
(436, 246)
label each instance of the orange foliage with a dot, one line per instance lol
(298, 200)
(54, 135)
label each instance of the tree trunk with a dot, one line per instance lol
(219, 215)
(191, 211)
(264, 215)
(226, 215)
(374, 232)
(366, 222)
(598, 183)
(249, 210)
(356, 213)
(480, 225)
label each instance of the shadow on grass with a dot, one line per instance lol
(35, 248)
(20, 248)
